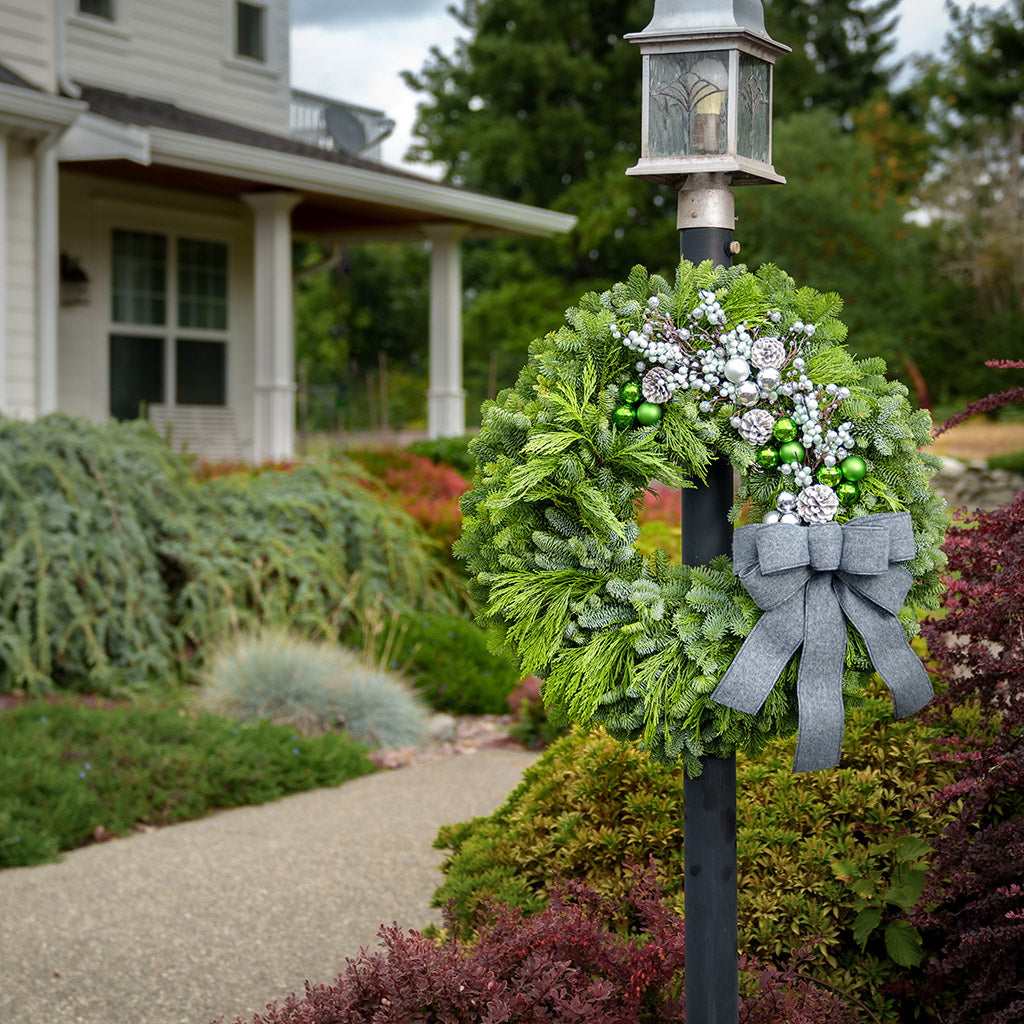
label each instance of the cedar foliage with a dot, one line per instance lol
(117, 567)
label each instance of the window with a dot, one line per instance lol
(97, 8)
(169, 305)
(250, 31)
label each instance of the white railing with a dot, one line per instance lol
(340, 127)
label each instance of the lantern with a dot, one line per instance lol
(707, 92)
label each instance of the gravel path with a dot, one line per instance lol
(222, 915)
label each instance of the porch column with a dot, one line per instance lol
(47, 279)
(3, 274)
(446, 398)
(274, 324)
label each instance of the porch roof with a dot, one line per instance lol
(342, 196)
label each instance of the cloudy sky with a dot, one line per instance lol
(354, 50)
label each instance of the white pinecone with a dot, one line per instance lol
(767, 351)
(657, 385)
(817, 504)
(756, 426)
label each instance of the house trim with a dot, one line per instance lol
(305, 175)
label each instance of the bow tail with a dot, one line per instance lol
(762, 657)
(894, 659)
(819, 685)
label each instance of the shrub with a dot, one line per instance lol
(117, 567)
(569, 963)
(314, 688)
(66, 769)
(309, 549)
(84, 510)
(447, 661)
(452, 451)
(809, 846)
(972, 908)
(428, 491)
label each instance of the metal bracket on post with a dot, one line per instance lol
(706, 220)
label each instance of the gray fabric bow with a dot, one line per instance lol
(809, 580)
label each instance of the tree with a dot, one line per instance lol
(840, 50)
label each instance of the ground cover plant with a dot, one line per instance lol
(814, 850)
(118, 566)
(573, 962)
(70, 773)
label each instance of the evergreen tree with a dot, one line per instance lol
(842, 52)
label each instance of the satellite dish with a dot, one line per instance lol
(345, 128)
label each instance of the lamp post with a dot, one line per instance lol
(707, 126)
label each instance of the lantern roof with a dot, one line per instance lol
(676, 18)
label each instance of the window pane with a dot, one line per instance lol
(201, 373)
(136, 374)
(139, 289)
(202, 284)
(249, 31)
(689, 103)
(99, 8)
(754, 108)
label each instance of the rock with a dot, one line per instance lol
(442, 728)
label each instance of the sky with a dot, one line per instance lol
(355, 50)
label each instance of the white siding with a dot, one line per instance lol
(27, 40)
(21, 282)
(182, 52)
(90, 209)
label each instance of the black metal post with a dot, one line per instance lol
(709, 802)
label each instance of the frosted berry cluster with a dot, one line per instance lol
(793, 422)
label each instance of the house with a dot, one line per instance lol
(155, 169)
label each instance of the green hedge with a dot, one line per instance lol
(117, 567)
(814, 849)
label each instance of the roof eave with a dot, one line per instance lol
(37, 111)
(302, 174)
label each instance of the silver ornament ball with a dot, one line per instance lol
(737, 370)
(785, 501)
(769, 378)
(747, 393)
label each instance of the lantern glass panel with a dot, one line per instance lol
(688, 103)
(754, 106)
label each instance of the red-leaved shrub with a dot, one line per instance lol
(566, 965)
(972, 907)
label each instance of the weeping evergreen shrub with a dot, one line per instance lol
(118, 568)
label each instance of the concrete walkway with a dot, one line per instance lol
(222, 915)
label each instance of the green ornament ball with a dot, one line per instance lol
(647, 414)
(791, 451)
(623, 417)
(767, 457)
(785, 429)
(847, 493)
(631, 392)
(829, 475)
(854, 468)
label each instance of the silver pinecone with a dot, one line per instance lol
(768, 351)
(657, 385)
(756, 426)
(817, 504)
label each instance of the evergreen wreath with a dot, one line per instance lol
(649, 382)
